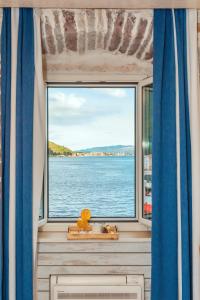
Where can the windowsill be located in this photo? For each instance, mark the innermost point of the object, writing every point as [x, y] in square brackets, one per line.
[124, 237]
[132, 231]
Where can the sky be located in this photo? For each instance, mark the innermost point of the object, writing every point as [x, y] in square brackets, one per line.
[81, 117]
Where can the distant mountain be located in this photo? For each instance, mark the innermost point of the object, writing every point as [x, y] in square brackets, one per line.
[58, 150]
[128, 149]
[55, 149]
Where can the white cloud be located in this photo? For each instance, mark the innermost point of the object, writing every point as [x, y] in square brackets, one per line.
[73, 109]
[114, 92]
[82, 118]
[60, 102]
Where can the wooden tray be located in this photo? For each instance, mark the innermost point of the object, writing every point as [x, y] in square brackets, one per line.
[76, 234]
[75, 228]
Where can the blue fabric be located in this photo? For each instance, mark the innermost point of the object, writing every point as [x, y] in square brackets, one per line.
[164, 219]
[185, 156]
[24, 145]
[164, 184]
[5, 123]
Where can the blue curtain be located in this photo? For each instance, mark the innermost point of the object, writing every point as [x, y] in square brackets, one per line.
[185, 156]
[5, 119]
[24, 144]
[24, 155]
[172, 204]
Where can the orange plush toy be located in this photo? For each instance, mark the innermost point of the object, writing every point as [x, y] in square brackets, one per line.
[82, 222]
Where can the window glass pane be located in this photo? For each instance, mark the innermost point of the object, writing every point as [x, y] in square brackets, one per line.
[147, 151]
[91, 143]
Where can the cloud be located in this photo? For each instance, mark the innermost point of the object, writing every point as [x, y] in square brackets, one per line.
[59, 102]
[72, 109]
[114, 92]
[80, 118]
[66, 109]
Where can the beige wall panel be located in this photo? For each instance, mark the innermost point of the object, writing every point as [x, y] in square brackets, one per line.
[46, 271]
[89, 259]
[43, 296]
[147, 296]
[43, 285]
[94, 247]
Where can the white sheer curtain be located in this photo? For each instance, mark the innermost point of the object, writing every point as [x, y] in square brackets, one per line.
[194, 107]
[39, 135]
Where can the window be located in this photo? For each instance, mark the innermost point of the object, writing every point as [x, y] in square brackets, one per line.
[99, 152]
[42, 206]
[147, 98]
[92, 151]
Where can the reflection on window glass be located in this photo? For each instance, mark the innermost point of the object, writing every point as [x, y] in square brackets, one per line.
[147, 151]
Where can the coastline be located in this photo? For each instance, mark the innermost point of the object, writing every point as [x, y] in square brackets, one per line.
[88, 154]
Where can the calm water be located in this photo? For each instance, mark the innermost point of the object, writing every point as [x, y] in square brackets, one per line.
[105, 185]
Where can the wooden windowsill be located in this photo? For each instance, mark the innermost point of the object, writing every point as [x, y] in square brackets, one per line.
[132, 227]
[124, 237]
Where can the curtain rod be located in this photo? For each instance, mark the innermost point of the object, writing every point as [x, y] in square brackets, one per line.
[126, 4]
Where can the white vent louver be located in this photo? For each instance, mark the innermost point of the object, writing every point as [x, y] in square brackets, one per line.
[97, 287]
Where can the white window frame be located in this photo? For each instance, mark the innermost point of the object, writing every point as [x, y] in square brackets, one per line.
[124, 224]
[141, 85]
[43, 221]
[104, 85]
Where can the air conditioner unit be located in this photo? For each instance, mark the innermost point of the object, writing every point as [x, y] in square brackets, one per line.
[97, 287]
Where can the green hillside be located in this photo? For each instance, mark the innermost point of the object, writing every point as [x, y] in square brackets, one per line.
[55, 149]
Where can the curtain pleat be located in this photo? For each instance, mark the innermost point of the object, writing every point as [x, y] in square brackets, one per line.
[5, 144]
[17, 106]
[39, 137]
[24, 155]
[12, 210]
[185, 156]
[194, 112]
[164, 180]
[172, 230]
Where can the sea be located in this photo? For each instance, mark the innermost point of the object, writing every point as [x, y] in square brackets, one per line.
[104, 184]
